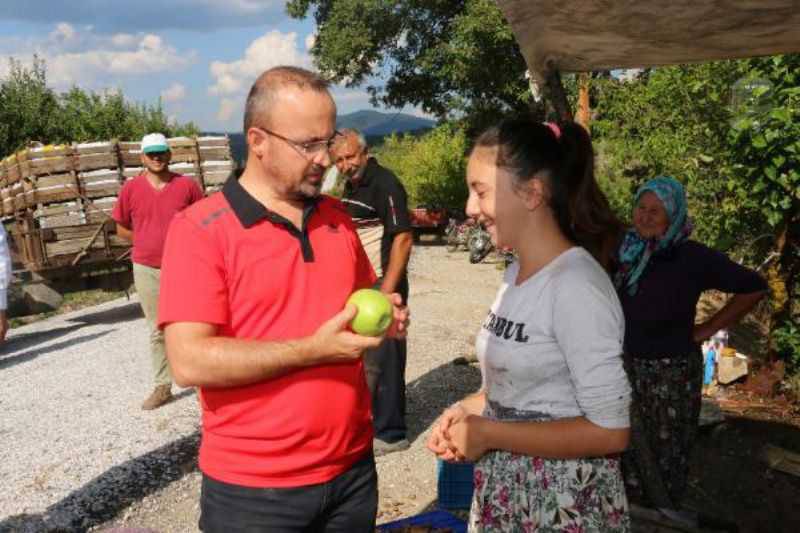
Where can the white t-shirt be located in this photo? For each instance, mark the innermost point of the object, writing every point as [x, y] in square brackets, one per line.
[552, 347]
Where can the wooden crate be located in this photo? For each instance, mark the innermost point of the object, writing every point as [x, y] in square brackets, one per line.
[11, 164]
[100, 210]
[17, 191]
[131, 172]
[216, 163]
[89, 162]
[42, 166]
[214, 153]
[8, 202]
[100, 183]
[99, 147]
[215, 173]
[130, 154]
[207, 142]
[43, 190]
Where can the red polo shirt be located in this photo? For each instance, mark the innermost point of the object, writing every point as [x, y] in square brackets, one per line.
[230, 261]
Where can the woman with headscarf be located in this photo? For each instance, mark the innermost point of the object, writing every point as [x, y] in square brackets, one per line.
[660, 277]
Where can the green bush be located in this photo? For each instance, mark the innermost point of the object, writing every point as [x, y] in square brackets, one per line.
[787, 344]
[432, 167]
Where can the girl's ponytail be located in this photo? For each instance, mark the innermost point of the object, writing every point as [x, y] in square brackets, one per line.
[593, 224]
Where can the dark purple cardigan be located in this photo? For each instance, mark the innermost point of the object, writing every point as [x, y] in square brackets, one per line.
[659, 319]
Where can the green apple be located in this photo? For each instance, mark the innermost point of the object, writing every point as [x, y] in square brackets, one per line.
[375, 312]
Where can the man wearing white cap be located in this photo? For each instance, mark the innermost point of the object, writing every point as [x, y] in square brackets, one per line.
[143, 212]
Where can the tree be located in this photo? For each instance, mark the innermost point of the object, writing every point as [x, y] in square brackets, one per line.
[31, 111]
[28, 108]
[453, 58]
[431, 167]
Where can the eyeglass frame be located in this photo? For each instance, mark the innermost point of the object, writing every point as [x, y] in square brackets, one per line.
[305, 149]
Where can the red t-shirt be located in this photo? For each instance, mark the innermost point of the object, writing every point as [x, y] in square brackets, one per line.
[230, 262]
[148, 212]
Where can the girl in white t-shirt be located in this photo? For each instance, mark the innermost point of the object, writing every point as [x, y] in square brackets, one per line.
[552, 414]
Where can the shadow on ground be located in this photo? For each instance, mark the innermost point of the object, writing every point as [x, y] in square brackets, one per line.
[428, 395]
[23, 357]
[123, 313]
[105, 496]
[729, 479]
[19, 348]
[26, 341]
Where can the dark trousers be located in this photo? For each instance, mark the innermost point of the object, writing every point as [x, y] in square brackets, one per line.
[347, 503]
[385, 367]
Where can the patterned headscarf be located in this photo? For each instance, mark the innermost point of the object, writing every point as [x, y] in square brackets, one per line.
[635, 252]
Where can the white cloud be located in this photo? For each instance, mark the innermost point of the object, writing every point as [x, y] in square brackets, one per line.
[123, 40]
[63, 33]
[310, 40]
[227, 109]
[270, 50]
[81, 56]
[174, 93]
[232, 80]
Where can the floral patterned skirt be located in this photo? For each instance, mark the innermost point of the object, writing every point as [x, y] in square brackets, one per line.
[519, 493]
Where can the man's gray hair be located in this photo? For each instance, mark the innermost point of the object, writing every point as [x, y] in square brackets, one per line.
[350, 132]
[266, 88]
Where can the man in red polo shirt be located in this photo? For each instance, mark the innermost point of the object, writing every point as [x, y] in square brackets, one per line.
[143, 211]
[253, 298]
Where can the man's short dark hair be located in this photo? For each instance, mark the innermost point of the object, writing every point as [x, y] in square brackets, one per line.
[266, 88]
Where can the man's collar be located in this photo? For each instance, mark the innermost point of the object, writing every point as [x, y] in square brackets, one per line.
[366, 175]
[250, 211]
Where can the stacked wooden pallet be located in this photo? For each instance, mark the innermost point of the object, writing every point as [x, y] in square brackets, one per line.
[57, 200]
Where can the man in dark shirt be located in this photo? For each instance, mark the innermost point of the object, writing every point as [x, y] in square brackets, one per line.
[377, 201]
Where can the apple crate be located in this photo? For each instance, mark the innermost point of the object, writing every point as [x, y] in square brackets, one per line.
[454, 484]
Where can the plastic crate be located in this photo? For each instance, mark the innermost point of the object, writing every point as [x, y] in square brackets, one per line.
[437, 519]
[454, 484]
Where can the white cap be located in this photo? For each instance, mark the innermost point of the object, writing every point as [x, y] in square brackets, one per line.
[154, 142]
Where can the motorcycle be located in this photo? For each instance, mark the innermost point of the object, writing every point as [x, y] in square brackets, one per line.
[479, 245]
[457, 234]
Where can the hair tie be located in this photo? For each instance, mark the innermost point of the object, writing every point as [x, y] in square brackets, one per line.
[554, 128]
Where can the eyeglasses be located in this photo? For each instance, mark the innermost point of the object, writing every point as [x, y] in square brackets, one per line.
[306, 149]
[156, 155]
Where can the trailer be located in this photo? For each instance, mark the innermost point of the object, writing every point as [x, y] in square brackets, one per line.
[57, 201]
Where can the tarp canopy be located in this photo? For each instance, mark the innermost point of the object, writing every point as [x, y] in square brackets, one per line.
[589, 35]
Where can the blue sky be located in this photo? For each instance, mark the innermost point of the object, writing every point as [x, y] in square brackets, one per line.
[199, 56]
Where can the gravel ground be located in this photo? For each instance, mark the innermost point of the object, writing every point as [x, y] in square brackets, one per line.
[80, 454]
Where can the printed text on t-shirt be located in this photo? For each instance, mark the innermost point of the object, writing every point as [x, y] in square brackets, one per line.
[502, 327]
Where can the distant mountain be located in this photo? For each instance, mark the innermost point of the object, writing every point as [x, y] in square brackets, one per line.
[377, 124]
[373, 124]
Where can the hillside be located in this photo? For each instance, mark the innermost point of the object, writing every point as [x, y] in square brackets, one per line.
[374, 124]
[378, 124]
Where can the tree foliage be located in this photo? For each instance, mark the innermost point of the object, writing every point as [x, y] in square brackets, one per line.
[32, 111]
[740, 170]
[450, 57]
[431, 167]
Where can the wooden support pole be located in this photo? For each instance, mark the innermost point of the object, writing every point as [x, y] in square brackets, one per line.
[554, 90]
[584, 110]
